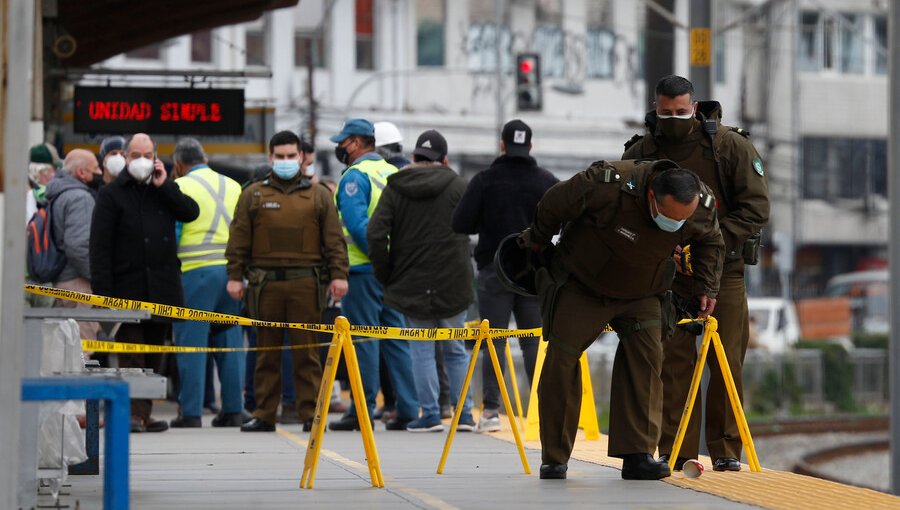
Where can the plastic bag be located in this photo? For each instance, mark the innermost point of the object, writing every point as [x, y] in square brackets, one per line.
[61, 440]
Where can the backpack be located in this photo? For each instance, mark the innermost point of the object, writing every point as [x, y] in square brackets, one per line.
[45, 260]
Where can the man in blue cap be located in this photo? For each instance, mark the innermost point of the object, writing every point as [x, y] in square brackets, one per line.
[358, 192]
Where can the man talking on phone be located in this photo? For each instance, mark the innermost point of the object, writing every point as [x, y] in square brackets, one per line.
[134, 253]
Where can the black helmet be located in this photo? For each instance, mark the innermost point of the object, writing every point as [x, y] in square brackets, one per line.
[513, 268]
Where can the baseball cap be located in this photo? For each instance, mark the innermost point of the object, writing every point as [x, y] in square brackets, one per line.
[431, 145]
[516, 136]
[354, 127]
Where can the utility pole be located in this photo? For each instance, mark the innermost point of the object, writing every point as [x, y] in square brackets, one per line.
[17, 37]
[701, 49]
[498, 69]
[894, 237]
[659, 56]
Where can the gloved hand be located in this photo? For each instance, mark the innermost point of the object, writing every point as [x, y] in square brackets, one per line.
[538, 254]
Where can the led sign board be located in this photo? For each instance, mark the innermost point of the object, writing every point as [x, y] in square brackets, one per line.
[159, 111]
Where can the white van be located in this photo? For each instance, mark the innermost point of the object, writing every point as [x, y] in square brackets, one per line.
[868, 292]
[774, 322]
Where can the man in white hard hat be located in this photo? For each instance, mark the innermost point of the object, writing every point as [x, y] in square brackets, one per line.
[388, 143]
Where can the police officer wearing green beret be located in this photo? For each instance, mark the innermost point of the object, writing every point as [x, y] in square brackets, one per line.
[613, 265]
[691, 134]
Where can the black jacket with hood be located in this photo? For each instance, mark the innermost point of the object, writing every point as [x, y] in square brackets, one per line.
[423, 265]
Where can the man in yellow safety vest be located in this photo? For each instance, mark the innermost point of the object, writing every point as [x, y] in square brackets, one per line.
[201, 249]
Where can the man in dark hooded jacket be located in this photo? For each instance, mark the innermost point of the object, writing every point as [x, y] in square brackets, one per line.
[424, 267]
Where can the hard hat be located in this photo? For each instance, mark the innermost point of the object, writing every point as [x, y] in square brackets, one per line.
[386, 133]
[513, 268]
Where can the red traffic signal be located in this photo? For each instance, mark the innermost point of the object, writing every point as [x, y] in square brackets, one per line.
[526, 66]
[529, 93]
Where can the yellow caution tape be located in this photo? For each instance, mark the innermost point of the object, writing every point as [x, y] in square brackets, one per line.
[177, 312]
[124, 347]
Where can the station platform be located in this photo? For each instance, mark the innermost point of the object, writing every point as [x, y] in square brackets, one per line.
[224, 468]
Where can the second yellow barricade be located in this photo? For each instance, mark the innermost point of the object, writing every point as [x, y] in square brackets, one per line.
[588, 418]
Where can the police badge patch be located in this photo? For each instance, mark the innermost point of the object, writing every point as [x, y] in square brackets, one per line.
[758, 166]
[351, 188]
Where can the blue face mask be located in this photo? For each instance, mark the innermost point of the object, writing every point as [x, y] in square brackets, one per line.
[286, 169]
[664, 222]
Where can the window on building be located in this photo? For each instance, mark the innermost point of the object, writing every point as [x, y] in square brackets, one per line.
[255, 47]
[881, 44]
[303, 44]
[600, 41]
[549, 38]
[844, 168]
[810, 41]
[201, 46]
[365, 30]
[149, 52]
[851, 44]
[430, 18]
[720, 47]
[481, 39]
[837, 42]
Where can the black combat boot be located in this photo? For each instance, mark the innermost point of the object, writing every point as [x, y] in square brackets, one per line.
[642, 466]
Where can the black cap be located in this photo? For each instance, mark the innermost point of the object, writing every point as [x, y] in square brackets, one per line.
[516, 137]
[431, 145]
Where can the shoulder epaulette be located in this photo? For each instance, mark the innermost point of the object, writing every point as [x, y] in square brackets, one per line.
[707, 200]
[606, 172]
[742, 132]
[634, 139]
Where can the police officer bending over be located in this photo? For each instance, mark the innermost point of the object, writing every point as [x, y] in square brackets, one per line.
[613, 265]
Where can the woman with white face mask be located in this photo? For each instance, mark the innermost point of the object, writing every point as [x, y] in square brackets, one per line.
[112, 155]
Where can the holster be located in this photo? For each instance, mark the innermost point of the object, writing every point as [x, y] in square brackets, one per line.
[668, 316]
[256, 281]
[323, 280]
[750, 249]
[548, 279]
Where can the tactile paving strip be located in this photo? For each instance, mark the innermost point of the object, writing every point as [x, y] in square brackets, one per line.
[777, 490]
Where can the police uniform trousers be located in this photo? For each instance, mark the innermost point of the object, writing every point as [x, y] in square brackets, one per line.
[294, 300]
[636, 393]
[679, 357]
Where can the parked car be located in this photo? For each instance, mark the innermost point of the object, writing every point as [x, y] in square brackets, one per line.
[868, 293]
[773, 323]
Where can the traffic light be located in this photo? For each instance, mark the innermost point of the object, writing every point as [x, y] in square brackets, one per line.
[529, 95]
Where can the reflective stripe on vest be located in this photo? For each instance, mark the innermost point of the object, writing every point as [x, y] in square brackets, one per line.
[206, 242]
[377, 171]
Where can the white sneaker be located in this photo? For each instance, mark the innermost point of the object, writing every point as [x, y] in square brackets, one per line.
[488, 424]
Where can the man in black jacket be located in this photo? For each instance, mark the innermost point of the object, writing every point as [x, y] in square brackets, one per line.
[425, 269]
[134, 253]
[500, 201]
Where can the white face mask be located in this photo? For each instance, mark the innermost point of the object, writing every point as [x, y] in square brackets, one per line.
[686, 116]
[115, 164]
[140, 169]
[310, 170]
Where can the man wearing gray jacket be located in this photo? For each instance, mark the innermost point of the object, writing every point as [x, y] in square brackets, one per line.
[72, 193]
